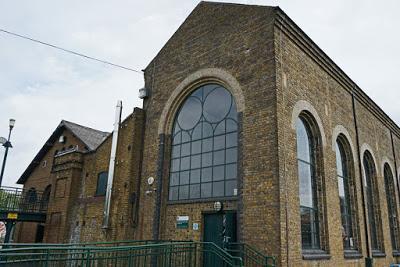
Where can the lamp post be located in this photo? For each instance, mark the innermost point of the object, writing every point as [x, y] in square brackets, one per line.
[7, 144]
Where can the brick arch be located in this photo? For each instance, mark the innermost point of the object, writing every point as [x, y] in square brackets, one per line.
[386, 160]
[303, 105]
[366, 147]
[193, 81]
[341, 130]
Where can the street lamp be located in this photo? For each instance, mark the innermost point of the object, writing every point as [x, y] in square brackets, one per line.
[7, 144]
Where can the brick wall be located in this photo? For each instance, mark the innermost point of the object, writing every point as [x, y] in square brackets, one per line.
[88, 212]
[234, 41]
[40, 178]
[274, 73]
[301, 78]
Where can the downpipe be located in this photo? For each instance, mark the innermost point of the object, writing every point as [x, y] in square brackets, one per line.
[110, 178]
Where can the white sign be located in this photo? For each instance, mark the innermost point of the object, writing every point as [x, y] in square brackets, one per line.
[182, 218]
[195, 226]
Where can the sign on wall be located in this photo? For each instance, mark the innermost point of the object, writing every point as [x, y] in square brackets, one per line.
[12, 216]
[182, 222]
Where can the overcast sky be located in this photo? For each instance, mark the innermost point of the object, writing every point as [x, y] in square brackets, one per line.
[40, 86]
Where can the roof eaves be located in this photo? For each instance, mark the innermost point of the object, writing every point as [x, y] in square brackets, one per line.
[294, 32]
[36, 160]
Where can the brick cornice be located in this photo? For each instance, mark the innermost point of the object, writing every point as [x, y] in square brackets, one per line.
[301, 39]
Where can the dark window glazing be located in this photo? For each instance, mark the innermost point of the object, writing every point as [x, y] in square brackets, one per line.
[31, 195]
[392, 207]
[204, 146]
[101, 184]
[344, 185]
[45, 198]
[307, 186]
[372, 199]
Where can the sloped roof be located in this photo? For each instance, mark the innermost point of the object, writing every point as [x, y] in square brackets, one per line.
[92, 138]
[212, 11]
[288, 27]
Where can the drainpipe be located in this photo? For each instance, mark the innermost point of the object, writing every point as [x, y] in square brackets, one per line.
[160, 171]
[368, 260]
[107, 203]
[395, 161]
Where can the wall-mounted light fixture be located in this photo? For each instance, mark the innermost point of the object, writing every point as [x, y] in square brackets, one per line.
[218, 206]
[150, 182]
[143, 93]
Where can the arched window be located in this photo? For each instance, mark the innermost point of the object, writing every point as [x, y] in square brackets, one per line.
[372, 202]
[101, 184]
[306, 160]
[392, 207]
[45, 198]
[344, 167]
[30, 199]
[31, 195]
[204, 146]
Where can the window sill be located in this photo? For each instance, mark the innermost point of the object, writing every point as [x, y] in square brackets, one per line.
[352, 254]
[188, 201]
[378, 254]
[396, 253]
[315, 254]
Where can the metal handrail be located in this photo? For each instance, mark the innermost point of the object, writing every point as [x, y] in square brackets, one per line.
[175, 253]
[251, 256]
[13, 199]
[18, 189]
[92, 244]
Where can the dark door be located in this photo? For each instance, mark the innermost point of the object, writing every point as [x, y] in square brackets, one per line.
[39, 233]
[218, 228]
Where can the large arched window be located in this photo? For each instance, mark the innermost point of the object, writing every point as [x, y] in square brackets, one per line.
[346, 196]
[306, 160]
[372, 202]
[204, 146]
[392, 207]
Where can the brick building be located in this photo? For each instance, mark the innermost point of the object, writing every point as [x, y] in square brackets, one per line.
[55, 171]
[241, 107]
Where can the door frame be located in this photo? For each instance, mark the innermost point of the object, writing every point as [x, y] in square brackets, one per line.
[209, 212]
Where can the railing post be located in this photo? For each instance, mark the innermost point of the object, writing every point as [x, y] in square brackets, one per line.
[9, 227]
[88, 257]
[190, 254]
[195, 253]
[170, 249]
[47, 257]
[129, 257]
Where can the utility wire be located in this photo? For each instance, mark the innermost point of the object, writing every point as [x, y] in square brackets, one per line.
[69, 51]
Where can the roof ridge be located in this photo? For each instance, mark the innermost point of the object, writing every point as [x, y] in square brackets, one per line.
[232, 4]
[82, 126]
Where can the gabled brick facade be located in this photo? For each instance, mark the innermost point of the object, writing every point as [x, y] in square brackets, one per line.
[276, 74]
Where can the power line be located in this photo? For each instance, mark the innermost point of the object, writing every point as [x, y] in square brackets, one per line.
[69, 51]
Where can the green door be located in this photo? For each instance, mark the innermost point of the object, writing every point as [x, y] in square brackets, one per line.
[214, 231]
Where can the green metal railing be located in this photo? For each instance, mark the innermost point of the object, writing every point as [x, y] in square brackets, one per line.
[14, 199]
[251, 257]
[169, 254]
[88, 244]
[135, 253]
